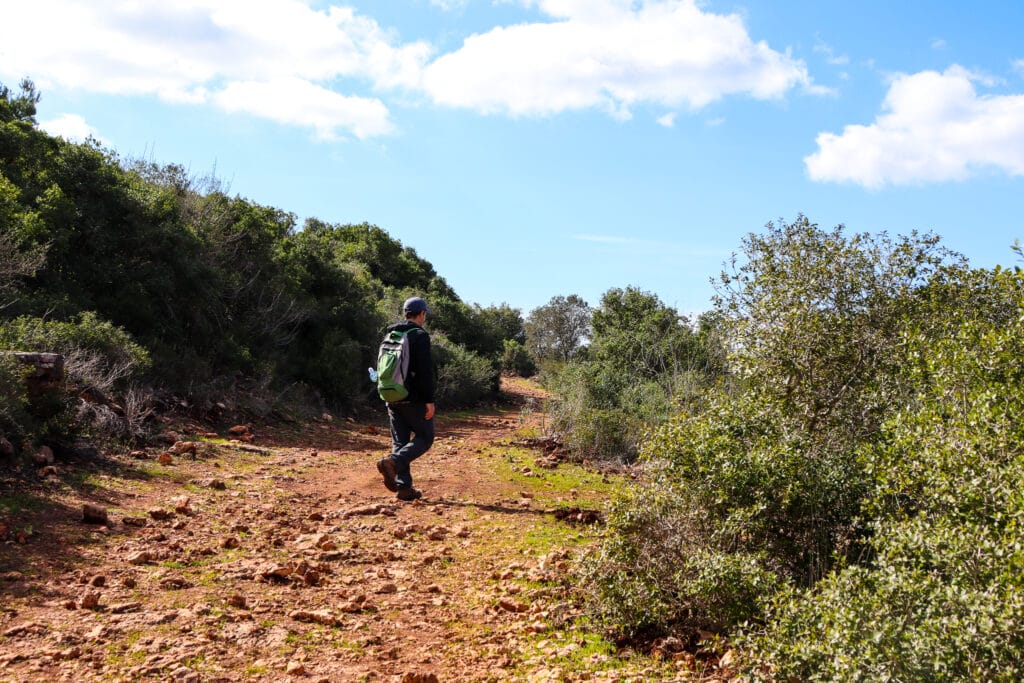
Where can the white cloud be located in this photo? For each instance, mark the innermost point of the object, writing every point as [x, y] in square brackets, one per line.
[935, 127]
[450, 5]
[298, 102]
[939, 44]
[668, 120]
[831, 57]
[611, 54]
[70, 127]
[1018, 66]
[198, 51]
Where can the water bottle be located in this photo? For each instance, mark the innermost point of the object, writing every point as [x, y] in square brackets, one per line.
[373, 374]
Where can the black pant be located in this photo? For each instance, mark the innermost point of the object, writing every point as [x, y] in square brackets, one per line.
[408, 419]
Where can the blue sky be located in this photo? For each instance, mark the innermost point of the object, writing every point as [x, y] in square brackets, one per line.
[531, 148]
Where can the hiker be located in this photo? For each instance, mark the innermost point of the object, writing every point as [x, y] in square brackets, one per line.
[412, 418]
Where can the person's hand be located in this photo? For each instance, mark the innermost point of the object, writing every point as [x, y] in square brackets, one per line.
[430, 411]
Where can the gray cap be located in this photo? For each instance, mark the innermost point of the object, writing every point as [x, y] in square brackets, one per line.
[415, 305]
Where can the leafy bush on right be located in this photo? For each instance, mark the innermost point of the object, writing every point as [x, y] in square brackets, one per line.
[849, 502]
[943, 597]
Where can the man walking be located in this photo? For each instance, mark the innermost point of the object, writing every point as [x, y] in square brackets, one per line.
[412, 420]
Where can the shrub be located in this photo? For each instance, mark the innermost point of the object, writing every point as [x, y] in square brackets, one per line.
[734, 502]
[96, 351]
[659, 569]
[98, 356]
[463, 378]
[592, 416]
[339, 364]
[15, 421]
[944, 598]
[782, 471]
[644, 359]
[517, 360]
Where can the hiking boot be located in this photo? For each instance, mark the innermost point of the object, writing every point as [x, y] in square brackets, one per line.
[386, 466]
[409, 493]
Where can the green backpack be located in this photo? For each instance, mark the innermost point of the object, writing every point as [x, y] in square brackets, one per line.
[393, 366]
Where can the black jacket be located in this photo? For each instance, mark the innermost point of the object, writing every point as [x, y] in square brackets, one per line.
[421, 381]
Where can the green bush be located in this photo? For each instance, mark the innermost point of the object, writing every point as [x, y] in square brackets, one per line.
[643, 362]
[660, 570]
[593, 417]
[97, 353]
[517, 360]
[15, 421]
[734, 502]
[944, 598]
[463, 378]
[870, 434]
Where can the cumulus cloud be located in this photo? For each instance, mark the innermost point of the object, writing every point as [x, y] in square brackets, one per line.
[935, 127]
[201, 51]
[335, 65]
[70, 127]
[611, 54]
[668, 120]
[298, 102]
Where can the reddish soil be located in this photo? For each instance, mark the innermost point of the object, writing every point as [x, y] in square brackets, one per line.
[285, 558]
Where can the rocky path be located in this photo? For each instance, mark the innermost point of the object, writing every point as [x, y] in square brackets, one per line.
[282, 557]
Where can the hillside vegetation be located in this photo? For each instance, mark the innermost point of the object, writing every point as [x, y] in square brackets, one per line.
[164, 291]
[844, 500]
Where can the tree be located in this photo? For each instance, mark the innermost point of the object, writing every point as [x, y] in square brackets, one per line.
[501, 323]
[556, 331]
[20, 107]
[815, 318]
[16, 262]
[636, 333]
[766, 482]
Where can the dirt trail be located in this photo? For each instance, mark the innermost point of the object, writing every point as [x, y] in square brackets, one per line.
[285, 558]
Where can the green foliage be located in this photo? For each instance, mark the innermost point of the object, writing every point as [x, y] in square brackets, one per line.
[83, 333]
[557, 330]
[643, 361]
[816, 318]
[15, 421]
[98, 356]
[657, 570]
[387, 260]
[17, 261]
[635, 333]
[517, 360]
[225, 296]
[492, 327]
[591, 417]
[20, 107]
[854, 495]
[338, 338]
[943, 599]
[463, 377]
